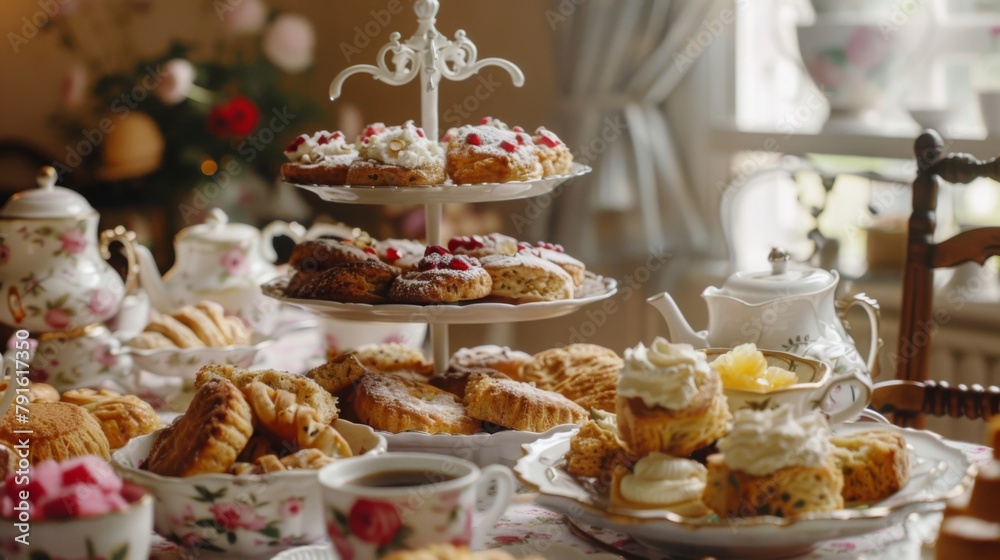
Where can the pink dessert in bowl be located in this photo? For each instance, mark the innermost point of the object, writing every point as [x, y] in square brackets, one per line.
[79, 508]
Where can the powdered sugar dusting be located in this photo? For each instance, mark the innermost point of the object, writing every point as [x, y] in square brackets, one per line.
[403, 146]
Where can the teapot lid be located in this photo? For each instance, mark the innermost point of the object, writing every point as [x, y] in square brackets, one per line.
[47, 201]
[217, 229]
[781, 281]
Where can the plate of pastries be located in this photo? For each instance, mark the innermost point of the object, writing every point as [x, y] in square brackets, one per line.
[674, 468]
[474, 279]
[400, 164]
[487, 402]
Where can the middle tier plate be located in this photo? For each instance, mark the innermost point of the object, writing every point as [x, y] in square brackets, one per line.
[485, 192]
[594, 288]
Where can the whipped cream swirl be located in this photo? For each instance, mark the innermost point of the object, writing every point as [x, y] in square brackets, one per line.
[665, 375]
[764, 441]
[319, 147]
[406, 146]
[661, 480]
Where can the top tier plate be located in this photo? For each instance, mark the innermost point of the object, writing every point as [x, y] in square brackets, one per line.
[484, 192]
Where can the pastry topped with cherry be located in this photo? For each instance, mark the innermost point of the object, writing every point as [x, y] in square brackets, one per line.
[399, 156]
[556, 254]
[480, 246]
[555, 157]
[320, 158]
[442, 277]
[489, 154]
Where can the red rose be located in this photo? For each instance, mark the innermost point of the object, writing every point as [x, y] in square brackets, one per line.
[73, 241]
[373, 521]
[340, 542]
[57, 318]
[234, 515]
[243, 116]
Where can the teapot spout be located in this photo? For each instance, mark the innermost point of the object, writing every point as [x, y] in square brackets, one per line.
[680, 330]
[152, 283]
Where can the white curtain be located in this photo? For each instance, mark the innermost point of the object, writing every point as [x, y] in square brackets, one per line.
[618, 63]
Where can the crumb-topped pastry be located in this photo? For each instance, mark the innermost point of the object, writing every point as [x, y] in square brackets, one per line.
[525, 278]
[773, 463]
[670, 400]
[322, 158]
[659, 481]
[399, 156]
[442, 277]
[488, 154]
[554, 156]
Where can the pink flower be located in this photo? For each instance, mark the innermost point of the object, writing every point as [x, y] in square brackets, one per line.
[73, 241]
[4, 253]
[178, 77]
[102, 302]
[344, 549]
[374, 521]
[181, 520]
[57, 318]
[827, 75]
[242, 16]
[74, 86]
[289, 42]
[234, 261]
[103, 357]
[291, 507]
[866, 48]
[234, 515]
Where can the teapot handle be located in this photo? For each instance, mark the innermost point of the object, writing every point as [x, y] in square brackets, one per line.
[871, 307]
[128, 240]
[293, 230]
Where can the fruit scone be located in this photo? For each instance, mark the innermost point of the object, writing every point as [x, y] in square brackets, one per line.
[442, 277]
[321, 158]
[399, 156]
[773, 463]
[488, 154]
[555, 157]
[557, 255]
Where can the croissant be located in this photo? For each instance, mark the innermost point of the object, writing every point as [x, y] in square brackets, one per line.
[280, 414]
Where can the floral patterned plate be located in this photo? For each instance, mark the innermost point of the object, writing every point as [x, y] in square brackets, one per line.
[938, 472]
[546, 550]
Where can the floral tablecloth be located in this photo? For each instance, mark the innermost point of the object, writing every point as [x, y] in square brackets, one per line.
[527, 528]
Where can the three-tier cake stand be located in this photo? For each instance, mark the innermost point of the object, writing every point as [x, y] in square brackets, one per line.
[429, 57]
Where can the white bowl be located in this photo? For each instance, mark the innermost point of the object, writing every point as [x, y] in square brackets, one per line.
[246, 516]
[123, 535]
[345, 335]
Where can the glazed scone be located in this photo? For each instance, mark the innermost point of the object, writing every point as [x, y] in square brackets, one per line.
[320, 158]
[208, 437]
[661, 482]
[395, 404]
[400, 156]
[59, 431]
[773, 463]
[306, 391]
[519, 406]
[525, 278]
[875, 464]
[669, 400]
[123, 418]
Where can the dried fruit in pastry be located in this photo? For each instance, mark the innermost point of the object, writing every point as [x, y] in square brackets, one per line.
[338, 374]
[519, 406]
[280, 414]
[392, 403]
[306, 391]
[594, 451]
[208, 437]
[442, 277]
[59, 431]
[123, 418]
[875, 464]
[480, 246]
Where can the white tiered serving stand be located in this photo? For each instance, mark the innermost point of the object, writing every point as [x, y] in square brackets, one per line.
[431, 57]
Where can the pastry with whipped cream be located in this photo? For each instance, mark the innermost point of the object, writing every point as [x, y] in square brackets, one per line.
[322, 158]
[399, 156]
[773, 463]
[488, 153]
[669, 400]
[659, 481]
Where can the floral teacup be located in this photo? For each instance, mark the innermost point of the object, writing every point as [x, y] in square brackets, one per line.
[85, 357]
[405, 501]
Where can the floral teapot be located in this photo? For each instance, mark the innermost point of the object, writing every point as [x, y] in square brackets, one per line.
[52, 270]
[223, 262]
[791, 309]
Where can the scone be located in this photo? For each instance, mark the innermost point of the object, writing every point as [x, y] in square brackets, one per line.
[355, 282]
[392, 356]
[487, 154]
[595, 450]
[124, 418]
[519, 406]
[338, 374]
[669, 400]
[306, 391]
[442, 277]
[317, 255]
[456, 382]
[320, 158]
[587, 374]
[59, 431]
[208, 437]
[490, 356]
[772, 463]
[557, 255]
[395, 404]
[555, 157]
[398, 156]
[525, 278]
[875, 464]
[661, 482]
[480, 246]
